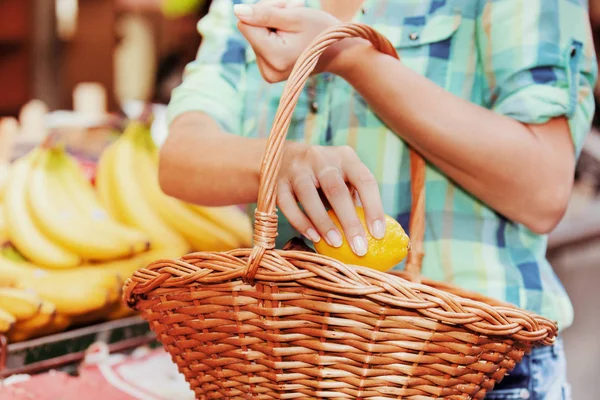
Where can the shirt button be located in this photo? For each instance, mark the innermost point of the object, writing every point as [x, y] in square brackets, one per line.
[314, 106]
[413, 36]
[573, 51]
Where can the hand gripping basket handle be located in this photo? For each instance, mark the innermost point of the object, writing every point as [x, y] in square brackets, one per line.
[265, 225]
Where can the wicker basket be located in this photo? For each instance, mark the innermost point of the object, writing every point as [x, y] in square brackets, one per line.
[263, 323]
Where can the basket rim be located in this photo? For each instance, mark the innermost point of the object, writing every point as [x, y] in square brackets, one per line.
[433, 300]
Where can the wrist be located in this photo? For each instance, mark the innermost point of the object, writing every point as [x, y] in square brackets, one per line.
[345, 55]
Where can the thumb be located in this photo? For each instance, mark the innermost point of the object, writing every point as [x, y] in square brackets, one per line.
[268, 16]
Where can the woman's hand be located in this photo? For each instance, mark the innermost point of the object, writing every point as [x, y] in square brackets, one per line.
[307, 170]
[280, 30]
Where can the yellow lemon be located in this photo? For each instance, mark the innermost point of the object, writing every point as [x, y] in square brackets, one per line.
[382, 254]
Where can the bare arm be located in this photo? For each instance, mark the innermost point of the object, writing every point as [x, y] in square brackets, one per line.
[525, 172]
[200, 163]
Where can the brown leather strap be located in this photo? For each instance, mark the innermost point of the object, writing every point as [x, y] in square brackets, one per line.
[265, 227]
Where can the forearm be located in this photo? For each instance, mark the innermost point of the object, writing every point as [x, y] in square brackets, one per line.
[508, 165]
[201, 164]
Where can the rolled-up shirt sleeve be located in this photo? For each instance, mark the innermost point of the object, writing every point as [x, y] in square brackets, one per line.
[539, 61]
[213, 82]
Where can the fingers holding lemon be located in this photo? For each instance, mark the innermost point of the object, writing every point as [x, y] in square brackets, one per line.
[382, 254]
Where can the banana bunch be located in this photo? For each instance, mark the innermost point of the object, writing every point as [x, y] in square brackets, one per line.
[127, 183]
[45, 301]
[17, 306]
[73, 291]
[24, 314]
[35, 302]
[63, 258]
[54, 218]
[66, 248]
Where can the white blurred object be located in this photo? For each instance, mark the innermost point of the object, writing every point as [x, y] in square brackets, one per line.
[67, 12]
[133, 109]
[71, 119]
[14, 379]
[89, 109]
[135, 59]
[32, 120]
[96, 353]
[9, 129]
[89, 98]
[157, 375]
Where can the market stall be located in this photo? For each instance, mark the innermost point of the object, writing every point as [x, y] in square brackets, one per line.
[85, 86]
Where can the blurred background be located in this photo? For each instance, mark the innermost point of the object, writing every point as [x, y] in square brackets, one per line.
[90, 62]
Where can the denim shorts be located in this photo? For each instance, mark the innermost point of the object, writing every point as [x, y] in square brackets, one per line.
[541, 375]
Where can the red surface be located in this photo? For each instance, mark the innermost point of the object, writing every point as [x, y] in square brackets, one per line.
[98, 379]
[60, 386]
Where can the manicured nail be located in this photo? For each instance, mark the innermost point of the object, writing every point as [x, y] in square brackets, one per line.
[378, 229]
[313, 235]
[359, 246]
[334, 238]
[243, 10]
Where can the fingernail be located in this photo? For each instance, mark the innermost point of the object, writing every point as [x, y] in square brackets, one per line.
[334, 238]
[296, 3]
[313, 235]
[243, 10]
[359, 246]
[378, 229]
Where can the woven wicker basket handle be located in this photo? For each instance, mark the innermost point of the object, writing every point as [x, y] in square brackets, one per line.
[265, 226]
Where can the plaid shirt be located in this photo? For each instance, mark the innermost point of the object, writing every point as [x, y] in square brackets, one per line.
[528, 59]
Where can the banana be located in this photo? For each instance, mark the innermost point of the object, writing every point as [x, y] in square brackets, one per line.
[73, 291]
[3, 227]
[18, 336]
[28, 329]
[10, 252]
[59, 323]
[55, 214]
[120, 311]
[125, 269]
[43, 318]
[230, 218]
[104, 186]
[93, 317]
[7, 320]
[56, 323]
[85, 201]
[22, 231]
[201, 233]
[132, 205]
[9, 282]
[23, 304]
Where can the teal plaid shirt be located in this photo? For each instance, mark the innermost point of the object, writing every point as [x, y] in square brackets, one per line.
[527, 59]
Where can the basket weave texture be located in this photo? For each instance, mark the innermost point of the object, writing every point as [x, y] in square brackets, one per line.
[264, 323]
